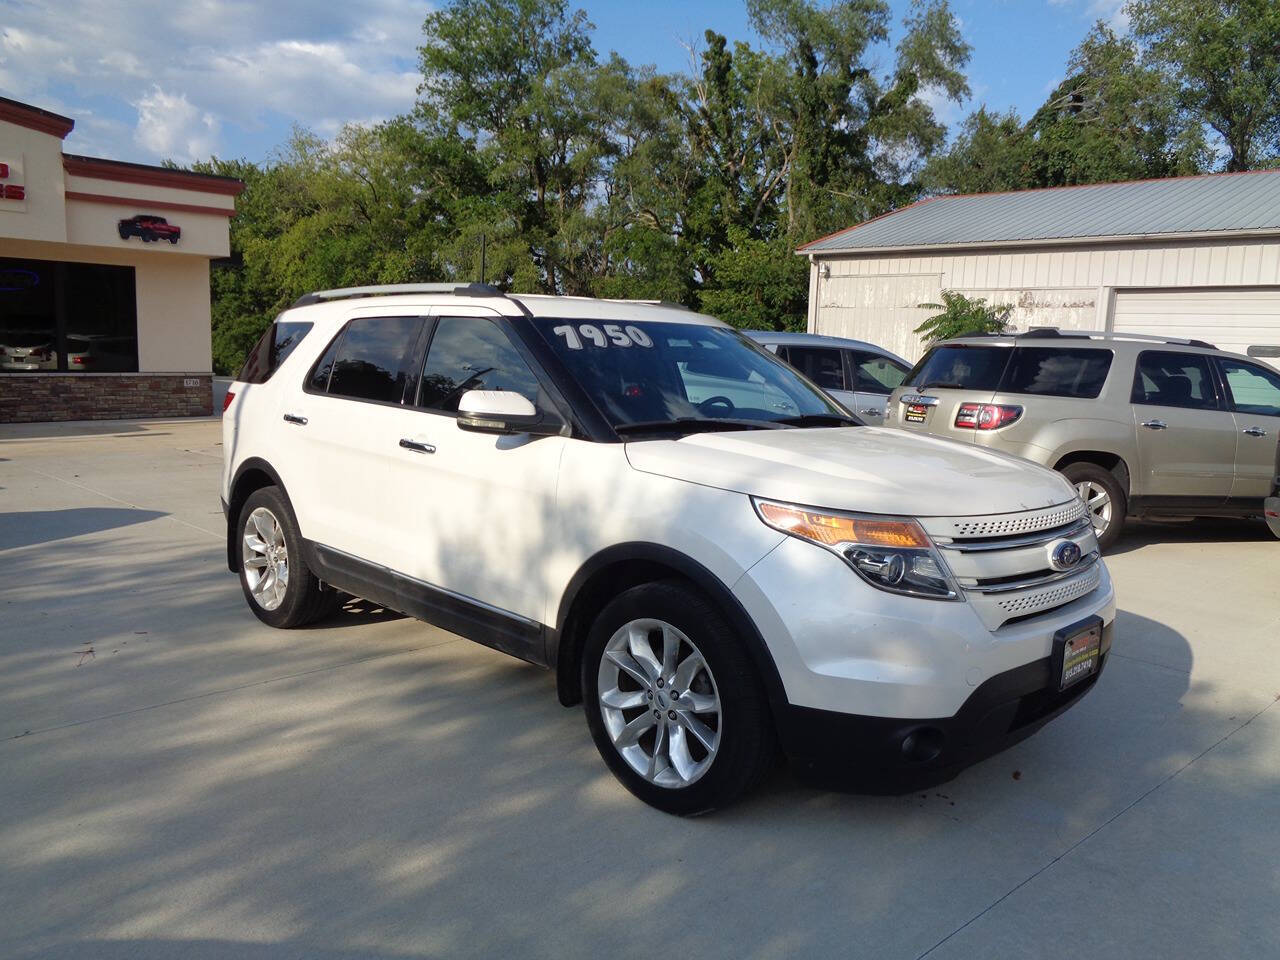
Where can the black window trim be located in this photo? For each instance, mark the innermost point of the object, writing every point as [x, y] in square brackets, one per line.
[1215, 381]
[1225, 388]
[336, 339]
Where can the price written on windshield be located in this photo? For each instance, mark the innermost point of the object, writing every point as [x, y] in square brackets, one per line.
[608, 334]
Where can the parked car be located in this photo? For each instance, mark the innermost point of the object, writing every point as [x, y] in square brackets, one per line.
[27, 350]
[1143, 426]
[148, 228]
[858, 374]
[709, 578]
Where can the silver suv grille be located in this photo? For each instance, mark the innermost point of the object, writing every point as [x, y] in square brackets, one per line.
[1002, 561]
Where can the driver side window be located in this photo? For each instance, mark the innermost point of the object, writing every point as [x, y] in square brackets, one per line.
[471, 353]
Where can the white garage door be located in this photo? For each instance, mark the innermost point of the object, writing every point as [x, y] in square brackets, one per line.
[1243, 320]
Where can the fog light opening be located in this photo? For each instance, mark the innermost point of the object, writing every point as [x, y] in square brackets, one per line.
[923, 744]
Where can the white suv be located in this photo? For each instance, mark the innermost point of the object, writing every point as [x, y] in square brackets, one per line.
[715, 575]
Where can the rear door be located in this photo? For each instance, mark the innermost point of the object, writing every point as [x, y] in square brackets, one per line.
[825, 367]
[873, 377]
[1254, 394]
[1185, 435]
[342, 434]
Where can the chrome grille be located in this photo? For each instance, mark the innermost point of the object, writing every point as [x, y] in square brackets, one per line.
[1030, 603]
[1010, 523]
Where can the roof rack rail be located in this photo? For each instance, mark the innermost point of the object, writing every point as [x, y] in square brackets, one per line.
[392, 289]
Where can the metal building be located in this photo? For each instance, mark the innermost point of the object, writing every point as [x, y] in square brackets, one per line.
[1195, 257]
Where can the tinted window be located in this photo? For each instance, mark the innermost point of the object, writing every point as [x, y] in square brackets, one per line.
[873, 373]
[1253, 389]
[373, 358]
[962, 367]
[471, 353]
[1174, 380]
[276, 343]
[1057, 372]
[822, 365]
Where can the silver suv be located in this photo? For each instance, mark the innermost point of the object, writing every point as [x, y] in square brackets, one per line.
[1143, 426]
[859, 375]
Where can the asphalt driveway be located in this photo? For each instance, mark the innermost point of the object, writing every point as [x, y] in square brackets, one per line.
[177, 780]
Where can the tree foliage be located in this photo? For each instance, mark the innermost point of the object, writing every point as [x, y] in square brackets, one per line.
[960, 315]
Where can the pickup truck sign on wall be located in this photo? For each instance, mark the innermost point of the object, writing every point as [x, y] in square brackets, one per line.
[148, 227]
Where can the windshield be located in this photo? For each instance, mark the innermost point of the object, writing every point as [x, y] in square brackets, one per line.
[650, 374]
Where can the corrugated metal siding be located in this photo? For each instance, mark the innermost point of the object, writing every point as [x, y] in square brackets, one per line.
[1050, 286]
[1230, 319]
[1223, 202]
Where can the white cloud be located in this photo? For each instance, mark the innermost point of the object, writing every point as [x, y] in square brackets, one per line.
[1112, 11]
[169, 126]
[188, 79]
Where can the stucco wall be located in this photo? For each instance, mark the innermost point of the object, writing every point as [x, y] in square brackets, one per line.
[877, 298]
[43, 214]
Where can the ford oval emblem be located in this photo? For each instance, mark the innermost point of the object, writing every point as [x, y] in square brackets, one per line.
[1064, 555]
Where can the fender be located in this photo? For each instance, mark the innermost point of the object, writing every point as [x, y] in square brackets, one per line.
[563, 647]
[232, 509]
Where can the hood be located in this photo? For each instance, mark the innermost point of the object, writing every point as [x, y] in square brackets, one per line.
[867, 469]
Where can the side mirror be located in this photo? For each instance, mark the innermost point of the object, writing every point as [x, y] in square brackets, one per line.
[503, 412]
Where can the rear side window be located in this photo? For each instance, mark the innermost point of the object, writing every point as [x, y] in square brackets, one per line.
[1167, 379]
[372, 360]
[471, 353]
[961, 367]
[275, 344]
[822, 365]
[873, 373]
[1056, 372]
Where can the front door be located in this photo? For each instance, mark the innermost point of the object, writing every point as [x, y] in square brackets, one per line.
[873, 377]
[1254, 393]
[1185, 434]
[483, 505]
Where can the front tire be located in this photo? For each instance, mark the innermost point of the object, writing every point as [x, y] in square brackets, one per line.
[1103, 497]
[278, 585]
[673, 701]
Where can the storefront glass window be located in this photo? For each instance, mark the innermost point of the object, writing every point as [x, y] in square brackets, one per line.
[68, 317]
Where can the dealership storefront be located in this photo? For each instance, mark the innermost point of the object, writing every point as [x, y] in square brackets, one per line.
[104, 279]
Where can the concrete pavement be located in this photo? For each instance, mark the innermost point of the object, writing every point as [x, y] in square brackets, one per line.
[177, 780]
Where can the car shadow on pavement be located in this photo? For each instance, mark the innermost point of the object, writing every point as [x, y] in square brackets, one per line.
[29, 527]
[1143, 533]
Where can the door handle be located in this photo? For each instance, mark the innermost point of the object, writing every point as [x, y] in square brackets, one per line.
[294, 418]
[1154, 424]
[417, 446]
[1255, 431]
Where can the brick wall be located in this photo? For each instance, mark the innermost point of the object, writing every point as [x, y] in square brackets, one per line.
[86, 396]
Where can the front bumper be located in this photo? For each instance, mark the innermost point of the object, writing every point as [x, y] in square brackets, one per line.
[897, 755]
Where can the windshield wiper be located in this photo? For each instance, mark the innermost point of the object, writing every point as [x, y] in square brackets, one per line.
[694, 425]
[821, 420]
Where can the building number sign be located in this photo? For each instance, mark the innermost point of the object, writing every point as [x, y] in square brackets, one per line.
[10, 191]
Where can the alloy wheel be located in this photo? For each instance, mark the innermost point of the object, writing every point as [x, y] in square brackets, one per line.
[660, 703]
[1098, 504]
[265, 558]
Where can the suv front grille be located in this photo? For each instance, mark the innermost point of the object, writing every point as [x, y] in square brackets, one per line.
[1002, 561]
[1029, 522]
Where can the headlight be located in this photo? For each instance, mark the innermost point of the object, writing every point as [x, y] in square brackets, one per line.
[887, 552]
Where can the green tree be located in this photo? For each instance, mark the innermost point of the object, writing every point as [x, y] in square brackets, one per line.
[1225, 55]
[963, 315]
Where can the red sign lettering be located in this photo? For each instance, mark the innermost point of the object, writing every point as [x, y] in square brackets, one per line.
[11, 191]
[4, 171]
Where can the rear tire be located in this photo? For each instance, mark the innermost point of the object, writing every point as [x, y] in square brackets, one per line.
[278, 585]
[1103, 497]
[683, 751]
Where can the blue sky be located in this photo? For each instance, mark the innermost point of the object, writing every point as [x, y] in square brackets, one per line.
[152, 79]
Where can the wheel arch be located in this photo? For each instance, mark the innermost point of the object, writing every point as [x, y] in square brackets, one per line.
[1111, 462]
[627, 565]
[254, 474]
